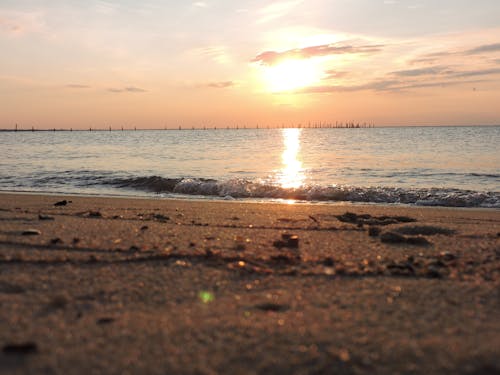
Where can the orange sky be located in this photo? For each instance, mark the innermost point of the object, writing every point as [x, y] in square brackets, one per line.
[223, 63]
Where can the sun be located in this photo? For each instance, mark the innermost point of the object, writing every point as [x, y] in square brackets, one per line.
[291, 75]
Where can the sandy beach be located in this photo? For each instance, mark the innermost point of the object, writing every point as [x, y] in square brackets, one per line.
[122, 285]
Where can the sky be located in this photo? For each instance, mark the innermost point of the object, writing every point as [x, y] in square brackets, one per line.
[155, 64]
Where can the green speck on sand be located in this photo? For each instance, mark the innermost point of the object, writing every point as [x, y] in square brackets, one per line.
[206, 297]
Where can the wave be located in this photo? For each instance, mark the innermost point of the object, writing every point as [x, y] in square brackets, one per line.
[241, 188]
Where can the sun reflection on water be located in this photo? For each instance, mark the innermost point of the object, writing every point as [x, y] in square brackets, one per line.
[292, 174]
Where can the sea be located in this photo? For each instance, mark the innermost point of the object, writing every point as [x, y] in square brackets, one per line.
[423, 166]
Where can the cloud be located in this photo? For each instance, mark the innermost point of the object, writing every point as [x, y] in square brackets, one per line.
[273, 57]
[77, 86]
[220, 85]
[16, 23]
[475, 73]
[383, 85]
[218, 54]
[10, 26]
[445, 71]
[486, 48]
[127, 89]
[433, 70]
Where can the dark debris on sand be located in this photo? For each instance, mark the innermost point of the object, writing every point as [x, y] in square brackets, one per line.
[367, 219]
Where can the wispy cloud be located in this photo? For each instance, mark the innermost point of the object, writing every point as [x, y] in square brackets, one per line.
[15, 23]
[383, 85]
[77, 86]
[126, 89]
[421, 71]
[220, 84]
[218, 54]
[274, 57]
[486, 48]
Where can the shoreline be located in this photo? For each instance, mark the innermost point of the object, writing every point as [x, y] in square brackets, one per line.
[145, 285]
[218, 199]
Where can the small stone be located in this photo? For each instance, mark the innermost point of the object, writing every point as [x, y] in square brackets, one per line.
[329, 262]
[94, 214]
[344, 355]
[275, 307]
[418, 240]
[392, 237]
[288, 240]
[293, 242]
[31, 232]
[105, 320]
[161, 217]
[59, 302]
[434, 272]
[56, 241]
[447, 256]
[45, 217]
[373, 231]
[75, 240]
[279, 244]
[9, 288]
[20, 348]
[348, 217]
[144, 227]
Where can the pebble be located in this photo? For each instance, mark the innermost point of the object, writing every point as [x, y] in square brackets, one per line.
[373, 231]
[59, 302]
[62, 203]
[392, 237]
[161, 217]
[329, 262]
[269, 306]
[56, 241]
[418, 240]
[105, 320]
[31, 232]
[287, 240]
[434, 272]
[94, 214]
[447, 256]
[20, 348]
[45, 217]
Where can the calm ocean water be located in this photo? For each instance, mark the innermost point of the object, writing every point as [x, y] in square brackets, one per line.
[447, 166]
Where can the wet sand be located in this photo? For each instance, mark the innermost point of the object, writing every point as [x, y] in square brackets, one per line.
[114, 285]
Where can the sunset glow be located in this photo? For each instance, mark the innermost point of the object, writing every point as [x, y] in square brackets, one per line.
[292, 175]
[291, 75]
[156, 64]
